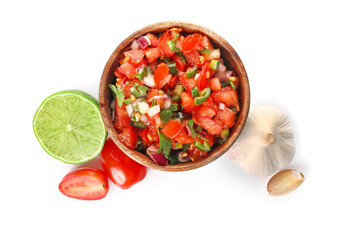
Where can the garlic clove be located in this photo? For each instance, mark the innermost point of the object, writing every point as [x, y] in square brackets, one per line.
[284, 182]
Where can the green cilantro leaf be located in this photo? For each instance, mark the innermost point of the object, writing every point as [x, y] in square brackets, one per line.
[165, 144]
[120, 96]
[165, 114]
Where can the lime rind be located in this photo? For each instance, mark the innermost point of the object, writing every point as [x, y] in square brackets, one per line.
[69, 127]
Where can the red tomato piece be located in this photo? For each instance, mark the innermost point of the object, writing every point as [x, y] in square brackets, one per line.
[127, 69]
[123, 119]
[208, 124]
[128, 137]
[118, 74]
[179, 62]
[153, 39]
[85, 184]
[196, 154]
[152, 54]
[127, 89]
[135, 55]
[193, 58]
[120, 168]
[206, 43]
[202, 81]
[227, 96]
[227, 117]
[162, 44]
[215, 84]
[206, 112]
[182, 138]
[173, 81]
[143, 135]
[172, 128]
[188, 83]
[188, 102]
[161, 75]
[192, 42]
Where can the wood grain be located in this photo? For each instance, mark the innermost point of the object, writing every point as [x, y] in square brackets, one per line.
[231, 59]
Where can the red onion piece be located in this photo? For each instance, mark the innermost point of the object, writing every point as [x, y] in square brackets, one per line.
[145, 120]
[143, 42]
[222, 106]
[135, 45]
[167, 103]
[221, 66]
[187, 130]
[223, 76]
[113, 115]
[158, 158]
[112, 104]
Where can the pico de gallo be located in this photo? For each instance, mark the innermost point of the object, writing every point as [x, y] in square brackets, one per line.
[174, 98]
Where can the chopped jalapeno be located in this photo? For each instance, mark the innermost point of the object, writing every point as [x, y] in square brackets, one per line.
[205, 146]
[214, 64]
[139, 125]
[154, 102]
[172, 68]
[178, 89]
[203, 97]
[225, 133]
[195, 92]
[176, 98]
[191, 73]
[205, 52]
[174, 107]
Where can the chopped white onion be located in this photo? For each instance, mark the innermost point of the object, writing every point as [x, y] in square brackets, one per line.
[222, 106]
[167, 103]
[153, 110]
[197, 76]
[143, 107]
[129, 109]
[149, 80]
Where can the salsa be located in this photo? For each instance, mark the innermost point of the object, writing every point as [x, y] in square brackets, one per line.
[174, 98]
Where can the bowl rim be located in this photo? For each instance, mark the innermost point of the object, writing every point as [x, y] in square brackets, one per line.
[191, 28]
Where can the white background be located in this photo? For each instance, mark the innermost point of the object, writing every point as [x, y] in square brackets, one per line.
[292, 54]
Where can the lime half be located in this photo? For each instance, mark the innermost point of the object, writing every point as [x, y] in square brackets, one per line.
[69, 126]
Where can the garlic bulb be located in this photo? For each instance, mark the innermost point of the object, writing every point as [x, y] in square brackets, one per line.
[266, 143]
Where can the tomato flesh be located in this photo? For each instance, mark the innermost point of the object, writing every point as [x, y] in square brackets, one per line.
[128, 137]
[208, 124]
[85, 184]
[121, 169]
[172, 128]
[226, 95]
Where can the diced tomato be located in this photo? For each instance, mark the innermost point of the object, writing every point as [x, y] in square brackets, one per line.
[149, 136]
[123, 118]
[118, 74]
[127, 69]
[162, 44]
[208, 103]
[227, 96]
[215, 54]
[152, 93]
[179, 62]
[202, 81]
[161, 75]
[142, 62]
[173, 81]
[208, 124]
[152, 54]
[172, 128]
[153, 39]
[206, 43]
[188, 102]
[127, 89]
[182, 138]
[196, 154]
[188, 83]
[135, 55]
[192, 42]
[128, 137]
[227, 117]
[206, 136]
[193, 58]
[215, 84]
[206, 112]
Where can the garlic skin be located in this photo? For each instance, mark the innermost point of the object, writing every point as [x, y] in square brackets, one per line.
[266, 143]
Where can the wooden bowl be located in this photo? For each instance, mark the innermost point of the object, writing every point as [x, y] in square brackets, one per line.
[231, 59]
